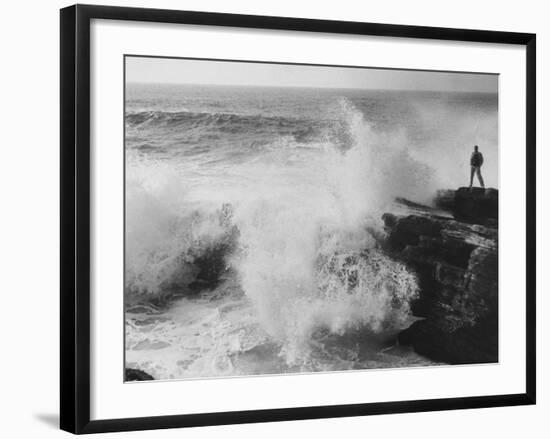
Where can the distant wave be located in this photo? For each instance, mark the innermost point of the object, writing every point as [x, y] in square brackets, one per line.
[165, 118]
[212, 124]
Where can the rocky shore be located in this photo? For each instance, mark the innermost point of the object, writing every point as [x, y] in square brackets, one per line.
[453, 249]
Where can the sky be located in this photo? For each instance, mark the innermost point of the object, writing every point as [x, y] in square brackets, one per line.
[186, 71]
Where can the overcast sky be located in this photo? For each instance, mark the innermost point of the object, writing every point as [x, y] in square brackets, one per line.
[183, 71]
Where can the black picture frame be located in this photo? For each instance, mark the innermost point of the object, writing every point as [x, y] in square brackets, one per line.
[75, 217]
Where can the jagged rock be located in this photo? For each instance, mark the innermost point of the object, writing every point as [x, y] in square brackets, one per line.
[441, 340]
[136, 375]
[475, 205]
[456, 263]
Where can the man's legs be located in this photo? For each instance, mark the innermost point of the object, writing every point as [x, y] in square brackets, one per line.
[479, 177]
[472, 176]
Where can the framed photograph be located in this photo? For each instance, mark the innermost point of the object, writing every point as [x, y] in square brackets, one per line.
[268, 218]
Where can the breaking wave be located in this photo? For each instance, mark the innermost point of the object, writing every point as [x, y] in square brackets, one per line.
[294, 227]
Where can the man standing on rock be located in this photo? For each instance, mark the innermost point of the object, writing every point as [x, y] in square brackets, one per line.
[476, 161]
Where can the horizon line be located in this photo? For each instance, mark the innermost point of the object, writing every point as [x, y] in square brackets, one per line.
[306, 87]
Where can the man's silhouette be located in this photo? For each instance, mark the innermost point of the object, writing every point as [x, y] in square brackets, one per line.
[476, 161]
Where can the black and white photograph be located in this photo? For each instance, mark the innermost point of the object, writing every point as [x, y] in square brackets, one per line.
[288, 218]
[275, 219]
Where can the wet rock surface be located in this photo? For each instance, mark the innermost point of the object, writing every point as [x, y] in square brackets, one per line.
[456, 260]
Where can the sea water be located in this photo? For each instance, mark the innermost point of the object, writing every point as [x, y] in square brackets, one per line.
[286, 187]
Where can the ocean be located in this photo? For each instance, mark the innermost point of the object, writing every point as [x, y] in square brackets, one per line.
[253, 218]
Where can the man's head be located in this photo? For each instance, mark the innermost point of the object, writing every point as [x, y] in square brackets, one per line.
[475, 148]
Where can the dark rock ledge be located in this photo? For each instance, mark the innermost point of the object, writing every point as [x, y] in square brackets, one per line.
[456, 260]
[476, 205]
[136, 375]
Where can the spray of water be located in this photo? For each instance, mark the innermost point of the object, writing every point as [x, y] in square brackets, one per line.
[304, 255]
